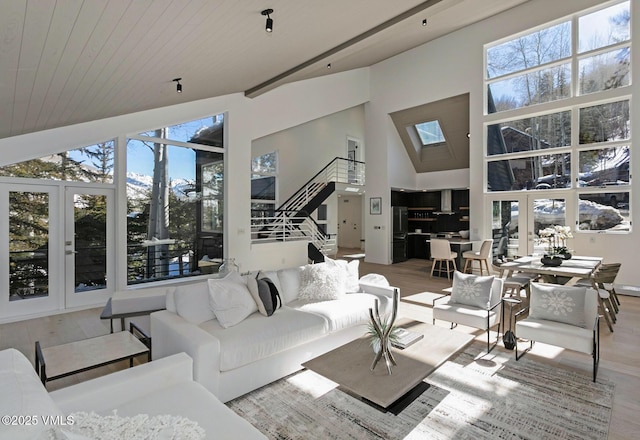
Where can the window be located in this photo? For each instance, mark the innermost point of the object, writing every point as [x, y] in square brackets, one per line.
[430, 133]
[576, 146]
[264, 175]
[175, 200]
[90, 164]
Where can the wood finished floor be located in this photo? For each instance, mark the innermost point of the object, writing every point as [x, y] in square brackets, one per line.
[620, 351]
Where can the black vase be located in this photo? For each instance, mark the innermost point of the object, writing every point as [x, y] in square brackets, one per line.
[509, 340]
[551, 261]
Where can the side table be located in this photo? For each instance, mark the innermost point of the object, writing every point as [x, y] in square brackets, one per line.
[508, 337]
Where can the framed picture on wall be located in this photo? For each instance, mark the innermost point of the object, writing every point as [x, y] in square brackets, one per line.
[375, 205]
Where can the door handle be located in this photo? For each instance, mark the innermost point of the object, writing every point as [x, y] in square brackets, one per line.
[70, 252]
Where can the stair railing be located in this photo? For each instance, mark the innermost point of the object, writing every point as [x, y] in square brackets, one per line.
[291, 222]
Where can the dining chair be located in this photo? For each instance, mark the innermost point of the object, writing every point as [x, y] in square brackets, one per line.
[441, 253]
[614, 268]
[514, 285]
[481, 256]
[575, 328]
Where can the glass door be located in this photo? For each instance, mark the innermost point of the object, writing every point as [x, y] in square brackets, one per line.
[88, 253]
[516, 222]
[30, 280]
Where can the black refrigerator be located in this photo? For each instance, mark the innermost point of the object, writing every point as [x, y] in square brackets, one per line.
[399, 236]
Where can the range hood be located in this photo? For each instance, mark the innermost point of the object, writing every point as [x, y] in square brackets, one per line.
[445, 202]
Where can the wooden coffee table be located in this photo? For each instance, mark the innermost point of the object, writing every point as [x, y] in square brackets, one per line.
[349, 366]
[64, 360]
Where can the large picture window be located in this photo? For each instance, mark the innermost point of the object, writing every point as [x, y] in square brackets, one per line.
[577, 145]
[175, 200]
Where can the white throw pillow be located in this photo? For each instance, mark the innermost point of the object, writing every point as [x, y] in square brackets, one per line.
[192, 302]
[321, 282]
[231, 300]
[374, 279]
[471, 290]
[350, 269]
[558, 303]
[289, 283]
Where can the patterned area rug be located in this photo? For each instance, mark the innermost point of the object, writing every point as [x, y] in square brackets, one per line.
[472, 396]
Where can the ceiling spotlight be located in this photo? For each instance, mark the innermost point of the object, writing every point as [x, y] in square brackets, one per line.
[329, 66]
[178, 86]
[269, 26]
[424, 22]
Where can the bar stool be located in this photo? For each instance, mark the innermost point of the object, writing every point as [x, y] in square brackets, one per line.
[441, 252]
[480, 256]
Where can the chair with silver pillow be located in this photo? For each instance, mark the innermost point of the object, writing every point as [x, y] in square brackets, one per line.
[563, 316]
[474, 302]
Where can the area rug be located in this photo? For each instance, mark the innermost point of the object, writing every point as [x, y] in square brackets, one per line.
[472, 396]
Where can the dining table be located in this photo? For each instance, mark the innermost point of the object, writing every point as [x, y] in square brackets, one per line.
[568, 273]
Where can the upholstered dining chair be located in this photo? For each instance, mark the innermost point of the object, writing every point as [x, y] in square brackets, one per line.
[481, 256]
[474, 301]
[441, 254]
[563, 316]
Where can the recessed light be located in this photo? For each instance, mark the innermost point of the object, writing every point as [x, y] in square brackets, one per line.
[424, 22]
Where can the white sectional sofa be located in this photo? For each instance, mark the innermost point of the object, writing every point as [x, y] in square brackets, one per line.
[157, 389]
[259, 349]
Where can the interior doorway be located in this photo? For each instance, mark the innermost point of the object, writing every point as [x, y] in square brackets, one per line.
[349, 221]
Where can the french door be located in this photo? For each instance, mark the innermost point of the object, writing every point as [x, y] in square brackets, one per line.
[56, 242]
[516, 221]
[88, 249]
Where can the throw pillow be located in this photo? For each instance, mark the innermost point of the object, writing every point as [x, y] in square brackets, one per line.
[231, 300]
[290, 283]
[265, 294]
[192, 302]
[558, 303]
[471, 290]
[320, 282]
[350, 269]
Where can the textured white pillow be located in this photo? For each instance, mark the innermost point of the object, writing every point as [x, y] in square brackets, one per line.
[375, 279]
[558, 303]
[231, 300]
[192, 302]
[350, 269]
[321, 282]
[471, 290]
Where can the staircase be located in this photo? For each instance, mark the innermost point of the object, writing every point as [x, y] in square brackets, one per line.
[292, 221]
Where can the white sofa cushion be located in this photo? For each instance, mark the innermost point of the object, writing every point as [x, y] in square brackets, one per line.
[23, 396]
[259, 336]
[290, 283]
[192, 302]
[352, 309]
[230, 299]
[321, 282]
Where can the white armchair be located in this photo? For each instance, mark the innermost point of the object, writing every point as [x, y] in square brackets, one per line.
[474, 302]
[564, 316]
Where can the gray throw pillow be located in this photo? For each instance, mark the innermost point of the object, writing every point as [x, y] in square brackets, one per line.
[265, 294]
[558, 303]
[471, 290]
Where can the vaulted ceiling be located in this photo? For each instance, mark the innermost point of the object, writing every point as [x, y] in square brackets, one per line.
[70, 61]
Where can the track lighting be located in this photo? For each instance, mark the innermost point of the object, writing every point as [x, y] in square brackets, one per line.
[269, 26]
[178, 86]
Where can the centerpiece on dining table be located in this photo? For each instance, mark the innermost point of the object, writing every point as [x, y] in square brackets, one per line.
[556, 239]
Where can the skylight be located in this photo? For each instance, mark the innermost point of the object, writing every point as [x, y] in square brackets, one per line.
[430, 133]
